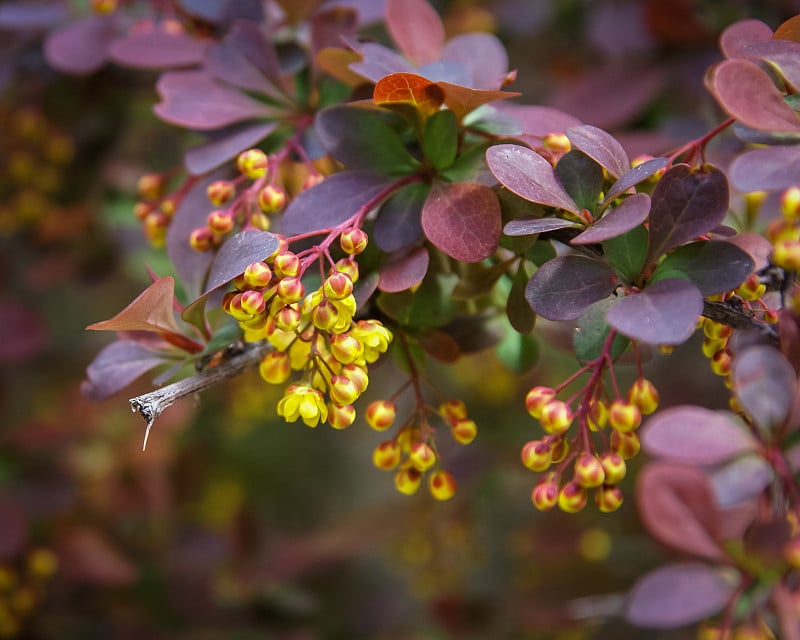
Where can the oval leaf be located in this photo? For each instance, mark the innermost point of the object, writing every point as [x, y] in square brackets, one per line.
[564, 286]
[741, 480]
[581, 177]
[416, 29]
[80, 46]
[678, 595]
[409, 89]
[601, 147]
[695, 435]
[530, 226]
[632, 212]
[735, 39]
[770, 169]
[529, 175]
[462, 219]
[405, 271]
[398, 224]
[634, 176]
[238, 252]
[151, 310]
[712, 266]
[158, 49]
[592, 331]
[765, 384]
[518, 311]
[116, 366]
[225, 145]
[482, 54]
[32, 15]
[538, 121]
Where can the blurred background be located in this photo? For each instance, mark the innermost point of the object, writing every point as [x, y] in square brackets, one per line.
[233, 524]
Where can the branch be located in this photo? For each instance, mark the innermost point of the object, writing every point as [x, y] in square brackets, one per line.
[736, 316]
[235, 362]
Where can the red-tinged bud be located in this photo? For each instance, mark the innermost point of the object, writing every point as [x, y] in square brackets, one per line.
[721, 362]
[556, 417]
[252, 163]
[338, 286]
[537, 398]
[288, 318]
[751, 289]
[234, 308]
[345, 348]
[155, 228]
[271, 199]
[613, 466]
[624, 416]
[608, 498]
[354, 241]
[422, 456]
[644, 395]
[589, 472]
[771, 316]
[260, 220]
[559, 450]
[407, 481]
[711, 346]
[312, 180]
[556, 142]
[711, 631]
[386, 455]
[343, 390]
[442, 485]
[347, 266]
[545, 495]
[220, 221]
[790, 203]
[252, 302]
[464, 430]
[151, 186]
[290, 289]
[405, 438]
[597, 416]
[786, 255]
[325, 315]
[286, 264]
[220, 191]
[627, 445]
[716, 330]
[791, 552]
[380, 414]
[572, 497]
[782, 229]
[141, 209]
[341, 417]
[168, 206]
[357, 374]
[453, 410]
[536, 455]
[275, 367]
[257, 274]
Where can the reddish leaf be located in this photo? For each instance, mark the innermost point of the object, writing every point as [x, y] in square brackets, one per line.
[765, 384]
[158, 49]
[782, 54]
[601, 147]
[538, 121]
[664, 313]
[31, 15]
[87, 556]
[564, 286]
[404, 271]
[676, 504]
[735, 39]
[461, 100]
[416, 29]
[225, 145]
[409, 89]
[14, 532]
[152, 310]
[632, 212]
[482, 54]
[529, 175]
[789, 30]
[81, 46]
[785, 604]
[238, 252]
[531, 226]
[747, 92]
[330, 26]
[770, 169]
[462, 219]
[677, 595]
[441, 345]
[116, 366]
[695, 435]
[741, 480]
[634, 176]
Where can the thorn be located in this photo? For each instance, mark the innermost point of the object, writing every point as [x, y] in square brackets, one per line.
[147, 434]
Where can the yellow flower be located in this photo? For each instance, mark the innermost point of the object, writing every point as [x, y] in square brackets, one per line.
[374, 336]
[301, 401]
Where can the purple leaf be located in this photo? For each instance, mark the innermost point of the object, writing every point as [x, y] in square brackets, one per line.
[663, 313]
[399, 223]
[404, 271]
[483, 55]
[564, 286]
[31, 15]
[81, 46]
[747, 92]
[765, 384]
[222, 13]
[713, 266]
[630, 213]
[379, 62]
[676, 504]
[735, 40]
[695, 435]
[330, 26]
[686, 203]
[783, 603]
[116, 366]
[228, 61]
[225, 145]
[755, 245]
[158, 49]
[530, 226]
[741, 479]
[677, 595]
[538, 121]
[601, 147]
[769, 169]
[783, 54]
[238, 252]
[529, 175]
[462, 219]
[416, 29]
[195, 100]
[634, 176]
[334, 200]
[247, 36]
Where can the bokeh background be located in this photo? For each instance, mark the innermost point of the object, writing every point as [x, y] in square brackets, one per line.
[233, 524]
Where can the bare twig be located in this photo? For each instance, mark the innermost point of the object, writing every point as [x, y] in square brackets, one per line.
[150, 405]
[738, 317]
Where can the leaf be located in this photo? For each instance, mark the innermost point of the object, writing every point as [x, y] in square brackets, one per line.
[463, 220]
[770, 169]
[747, 93]
[677, 595]
[379, 61]
[735, 40]
[116, 366]
[695, 435]
[362, 140]
[18, 16]
[158, 49]
[564, 286]
[530, 226]
[592, 332]
[676, 505]
[80, 47]
[783, 603]
[519, 352]
[195, 100]
[462, 100]
[477, 279]
[789, 30]
[627, 253]
[405, 271]
[236, 253]
[628, 215]
[740, 480]
[398, 224]
[482, 54]
[225, 61]
[713, 266]
[538, 121]
[765, 384]
[783, 56]
[409, 90]
[581, 177]
[470, 166]
[663, 313]
[224, 145]
[518, 311]
[333, 201]
[601, 147]
[634, 176]
[529, 175]
[440, 139]
[686, 203]
[416, 29]
[432, 304]
[151, 310]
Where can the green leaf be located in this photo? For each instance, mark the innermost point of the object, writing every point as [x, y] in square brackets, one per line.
[542, 251]
[470, 166]
[440, 139]
[433, 304]
[582, 178]
[477, 279]
[627, 252]
[592, 332]
[518, 352]
[713, 266]
[519, 312]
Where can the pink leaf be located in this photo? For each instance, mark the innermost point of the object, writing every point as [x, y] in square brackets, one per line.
[152, 310]
[80, 47]
[404, 272]
[416, 28]
[157, 49]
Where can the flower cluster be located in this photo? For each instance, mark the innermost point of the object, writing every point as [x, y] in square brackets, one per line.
[601, 469]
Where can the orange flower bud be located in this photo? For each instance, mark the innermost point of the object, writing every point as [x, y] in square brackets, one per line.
[537, 398]
[613, 466]
[597, 417]
[422, 456]
[536, 455]
[220, 191]
[338, 286]
[288, 318]
[624, 416]
[721, 362]
[275, 367]
[343, 390]
[626, 444]
[252, 163]
[644, 395]
[290, 289]
[380, 414]
[286, 264]
[257, 274]
[545, 495]
[572, 497]
[589, 472]
[790, 203]
[201, 239]
[464, 430]
[341, 416]
[347, 266]
[556, 417]
[151, 186]
[442, 485]
[786, 255]
[407, 481]
[354, 241]
[345, 348]
[271, 199]
[608, 498]
[357, 374]
[453, 410]
[386, 455]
